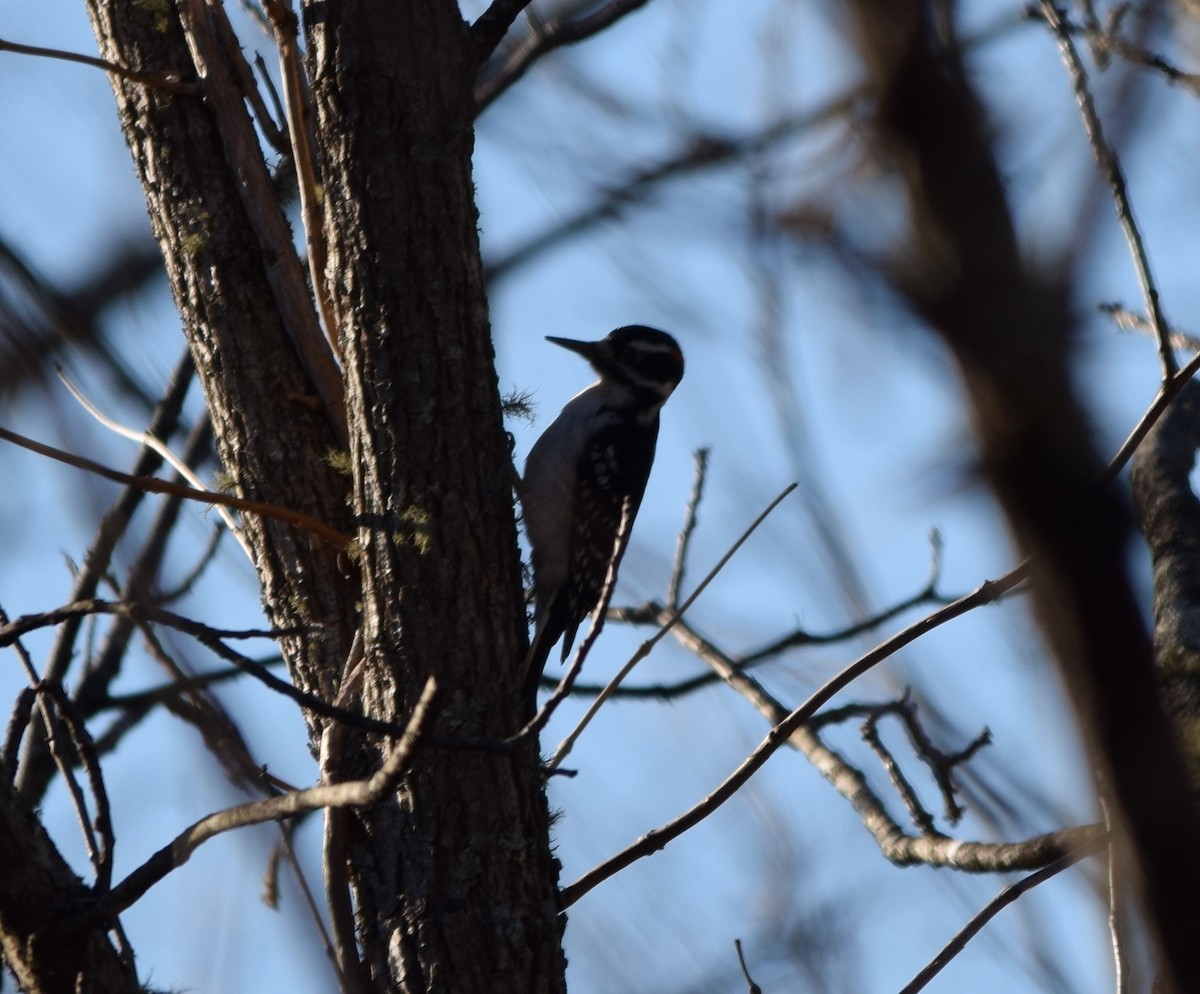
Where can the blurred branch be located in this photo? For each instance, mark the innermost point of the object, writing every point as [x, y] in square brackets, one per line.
[206, 635]
[353, 793]
[700, 151]
[1008, 330]
[1129, 320]
[62, 727]
[185, 683]
[551, 34]
[111, 528]
[492, 25]
[39, 321]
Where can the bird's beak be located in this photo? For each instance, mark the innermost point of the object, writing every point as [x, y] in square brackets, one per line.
[589, 350]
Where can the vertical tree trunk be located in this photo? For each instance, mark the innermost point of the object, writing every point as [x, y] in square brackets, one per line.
[455, 881]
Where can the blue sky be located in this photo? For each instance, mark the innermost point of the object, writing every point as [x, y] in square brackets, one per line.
[881, 433]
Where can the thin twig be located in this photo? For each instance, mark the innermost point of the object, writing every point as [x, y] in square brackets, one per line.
[1106, 158]
[192, 577]
[997, 904]
[353, 793]
[298, 101]
[99, 828]
[599, 613]
[921, 818]
[286, 830]
[176, 688]
[116, 519]
[284, 147]
[168, 83]
[1129, 320]
[247, 84]
[658, 838]
[656, 614]
[751, 986]
[154, 444]
[1162, 400]
[689, 526]
[211, 638]
[61, 723]
[152, 484]
[802, 637]
[645, 648]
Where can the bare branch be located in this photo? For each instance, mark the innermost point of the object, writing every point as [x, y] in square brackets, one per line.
[646, 647]
[921, 818]
[353, 793]
[751, 986]
[146, 439]
[116, 520]
[168, 82]
[689, 526]
[154, 485]
[658, 838]
[653, 613]
[298, 101]
[538, 722]
[994, 907]
[1162, 400]
[62, 727]
[1129, 320]
[1106, 158]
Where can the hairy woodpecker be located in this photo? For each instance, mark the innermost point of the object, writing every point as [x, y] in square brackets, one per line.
[596, 454]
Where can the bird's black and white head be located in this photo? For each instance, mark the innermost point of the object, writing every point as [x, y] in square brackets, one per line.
[645, 362]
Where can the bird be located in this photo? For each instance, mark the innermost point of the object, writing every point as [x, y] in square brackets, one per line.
[592, 460]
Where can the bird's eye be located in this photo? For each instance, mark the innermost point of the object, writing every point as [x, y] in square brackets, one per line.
[658, 366]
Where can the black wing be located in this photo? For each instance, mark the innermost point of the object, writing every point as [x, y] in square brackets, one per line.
[615, 466]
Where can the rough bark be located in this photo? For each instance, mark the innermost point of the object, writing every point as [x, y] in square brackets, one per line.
[236, 292]
[1170, 519]
[456, 884]
[38, 887]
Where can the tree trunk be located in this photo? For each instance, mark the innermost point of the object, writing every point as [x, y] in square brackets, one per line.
[455, 881]
[457, 884]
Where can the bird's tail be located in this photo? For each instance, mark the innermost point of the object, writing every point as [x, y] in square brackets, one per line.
[547, 631]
